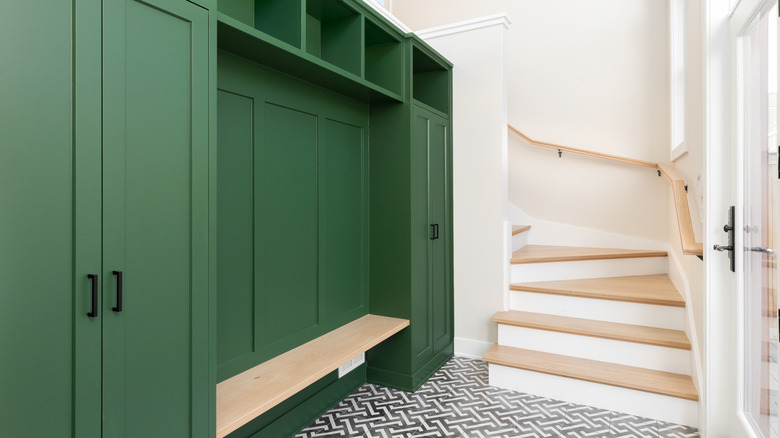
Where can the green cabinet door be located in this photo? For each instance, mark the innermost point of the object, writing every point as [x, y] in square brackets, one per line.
[438, 260]
[43, 294]
[432, 299]
[155, 219]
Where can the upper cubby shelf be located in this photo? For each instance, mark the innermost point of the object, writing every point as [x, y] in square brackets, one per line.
[333, 34]
[430, 80]
[342, 45]
[384, 58]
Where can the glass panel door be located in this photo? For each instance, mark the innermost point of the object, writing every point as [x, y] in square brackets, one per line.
[760, 186]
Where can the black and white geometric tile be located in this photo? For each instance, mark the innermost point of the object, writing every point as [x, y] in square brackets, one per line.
[458, 402]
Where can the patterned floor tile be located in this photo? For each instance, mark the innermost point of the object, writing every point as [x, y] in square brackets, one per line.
[585, 421]
[670, 430]
[457, 402]
[630, 426]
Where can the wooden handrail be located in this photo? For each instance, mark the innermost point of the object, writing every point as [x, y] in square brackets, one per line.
[685, 225]
[582, 151]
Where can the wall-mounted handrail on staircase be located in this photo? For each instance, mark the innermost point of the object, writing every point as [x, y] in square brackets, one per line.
[684, 222]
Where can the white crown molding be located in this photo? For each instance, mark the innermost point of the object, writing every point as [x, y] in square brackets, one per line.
[465, 26]
[385, 13]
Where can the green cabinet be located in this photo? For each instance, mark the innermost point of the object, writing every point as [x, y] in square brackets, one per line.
[155, 219]
[104, 290]
[411, 224]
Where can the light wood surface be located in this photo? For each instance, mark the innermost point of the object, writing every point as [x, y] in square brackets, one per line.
[517, 229]
[597, 329]
[253, 392]
[548, 253]
[641, 379]
[582, 151]
[647, 289]
[684, 223]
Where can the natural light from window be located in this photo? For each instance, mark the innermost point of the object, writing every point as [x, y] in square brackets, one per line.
[677, 14]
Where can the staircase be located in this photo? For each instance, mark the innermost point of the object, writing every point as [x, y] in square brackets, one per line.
[597, 326]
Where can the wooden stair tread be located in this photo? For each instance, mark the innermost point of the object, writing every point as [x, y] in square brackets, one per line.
[547, 253]
[517, 229]
[647, 289]
[598, 329]
[640, 379]
[243, 397]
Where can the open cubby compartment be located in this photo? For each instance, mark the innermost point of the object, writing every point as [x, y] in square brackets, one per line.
[384, 58]
[333, 34]
[280, 19]
[430, 81]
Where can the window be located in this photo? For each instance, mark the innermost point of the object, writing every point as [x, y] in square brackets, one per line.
[677, 14]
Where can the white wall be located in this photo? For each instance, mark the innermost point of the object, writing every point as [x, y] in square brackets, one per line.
[592, 75]
[480, 182]
[687, 272]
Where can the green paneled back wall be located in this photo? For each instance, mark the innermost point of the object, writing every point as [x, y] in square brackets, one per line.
[292, 213]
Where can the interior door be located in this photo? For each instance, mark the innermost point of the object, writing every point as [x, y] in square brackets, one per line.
[155, 219]
[742, 309]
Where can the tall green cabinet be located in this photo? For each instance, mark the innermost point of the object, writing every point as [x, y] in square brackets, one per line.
[104, 288]
[411, 196]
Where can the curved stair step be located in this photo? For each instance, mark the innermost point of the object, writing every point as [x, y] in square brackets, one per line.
[640, 379]
[647, 289]
[547, 254]
[517, 229]
[598, 329]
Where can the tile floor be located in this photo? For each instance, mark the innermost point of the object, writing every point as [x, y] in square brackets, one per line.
[457, 402]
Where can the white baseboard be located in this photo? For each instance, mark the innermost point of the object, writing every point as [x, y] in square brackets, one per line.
[471, 348]
[554, 233]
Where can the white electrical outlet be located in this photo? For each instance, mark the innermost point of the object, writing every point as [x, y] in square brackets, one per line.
[351, 365]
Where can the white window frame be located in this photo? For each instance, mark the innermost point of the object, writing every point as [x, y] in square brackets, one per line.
[677, 77]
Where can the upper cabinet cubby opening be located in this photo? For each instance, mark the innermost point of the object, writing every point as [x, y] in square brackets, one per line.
[333, 33]
[430, 81]
[384, 56]
[280, 19]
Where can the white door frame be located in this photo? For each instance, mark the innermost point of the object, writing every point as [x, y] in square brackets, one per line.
[721, 395]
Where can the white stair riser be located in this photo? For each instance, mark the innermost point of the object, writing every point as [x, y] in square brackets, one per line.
[653, 357]
[519, 240]
[600, 310]
[529, 272]
[629, 401]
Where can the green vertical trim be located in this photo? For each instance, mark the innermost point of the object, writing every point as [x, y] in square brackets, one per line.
[87, 214]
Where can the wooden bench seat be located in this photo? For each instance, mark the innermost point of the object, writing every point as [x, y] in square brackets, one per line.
[243, 397]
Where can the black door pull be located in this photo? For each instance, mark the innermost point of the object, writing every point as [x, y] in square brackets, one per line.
[94, 311]
[118, 307]
[433, 231]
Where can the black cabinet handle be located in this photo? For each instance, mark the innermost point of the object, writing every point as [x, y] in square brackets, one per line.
[118, 307]
[94, 311]
[433, 231]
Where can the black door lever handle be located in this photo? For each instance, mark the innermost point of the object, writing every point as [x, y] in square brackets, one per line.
[94, 311]
[118, 307]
